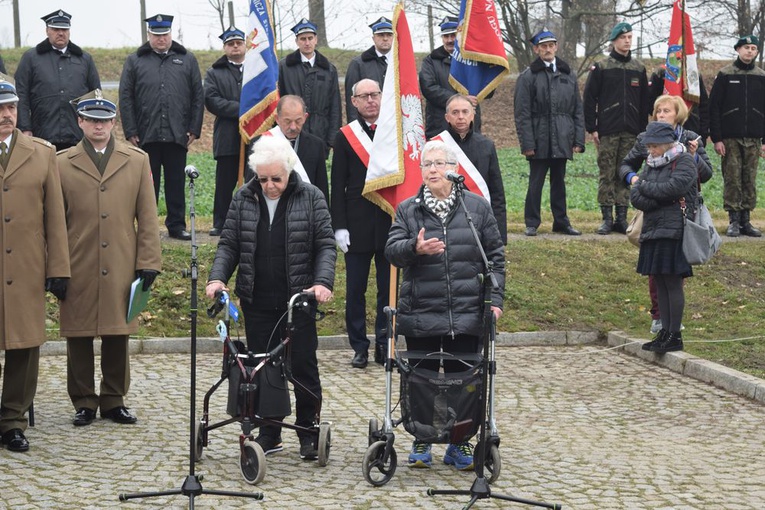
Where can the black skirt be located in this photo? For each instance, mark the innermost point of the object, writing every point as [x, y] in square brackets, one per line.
[663, 256]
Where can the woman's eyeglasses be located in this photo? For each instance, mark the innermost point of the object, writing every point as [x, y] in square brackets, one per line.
[275, 180]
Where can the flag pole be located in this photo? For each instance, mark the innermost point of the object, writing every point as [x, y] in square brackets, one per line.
[240, 178]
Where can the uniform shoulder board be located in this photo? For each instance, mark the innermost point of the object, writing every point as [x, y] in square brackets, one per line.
[62, 151]
[137, 149]
[42, 142]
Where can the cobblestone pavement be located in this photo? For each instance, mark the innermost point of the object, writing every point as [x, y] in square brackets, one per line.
[588, 431]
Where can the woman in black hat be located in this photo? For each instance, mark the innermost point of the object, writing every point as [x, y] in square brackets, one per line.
[666, 183]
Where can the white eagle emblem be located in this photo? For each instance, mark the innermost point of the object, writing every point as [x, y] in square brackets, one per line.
[412, 126]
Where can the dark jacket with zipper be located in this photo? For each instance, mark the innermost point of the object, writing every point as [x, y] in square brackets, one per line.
[442, 294]
[223, 86]
[309, 241]
[737, 102]
[658, 192]
[616, 96]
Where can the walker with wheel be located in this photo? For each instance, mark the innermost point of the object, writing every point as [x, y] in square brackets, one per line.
[258, 389]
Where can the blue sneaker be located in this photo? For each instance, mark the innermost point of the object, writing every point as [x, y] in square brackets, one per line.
[460, 456]
[420, 456]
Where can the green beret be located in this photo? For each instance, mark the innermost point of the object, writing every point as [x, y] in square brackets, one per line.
[747, 39]
[619, 29]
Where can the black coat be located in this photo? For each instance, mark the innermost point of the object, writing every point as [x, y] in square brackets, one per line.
[436, 89]
[482, 153]
[657, 194]
[442, 294]
[367, 224]
[367, 65]
[46, 81]
[312, 153]
[2, 66]
[698, 117]
[548, 111]
[737, 102]
[223, 86]
[320, 89]
[311, 252]
[161, 96]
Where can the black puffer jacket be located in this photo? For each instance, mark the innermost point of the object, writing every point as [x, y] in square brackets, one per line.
[657, 193]
[310, 239]
[442, 294]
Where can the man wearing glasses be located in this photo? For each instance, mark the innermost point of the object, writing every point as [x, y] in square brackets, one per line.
[111, 220]
[361, 227]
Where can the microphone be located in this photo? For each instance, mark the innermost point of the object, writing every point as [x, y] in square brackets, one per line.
[191, 171]
[455, 177]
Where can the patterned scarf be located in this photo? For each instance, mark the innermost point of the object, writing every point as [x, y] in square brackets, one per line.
[671, 154]
[440, 207]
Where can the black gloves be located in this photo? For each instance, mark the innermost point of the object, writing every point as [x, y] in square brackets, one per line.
[57, 287]
[148, 275]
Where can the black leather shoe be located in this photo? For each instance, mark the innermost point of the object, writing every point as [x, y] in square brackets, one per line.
[119, 415]
[567, 230]
[215, 232]
[360, 360]
[84, 416]
[531, 231]
[15, 441]
[180, 234]
[380, 354]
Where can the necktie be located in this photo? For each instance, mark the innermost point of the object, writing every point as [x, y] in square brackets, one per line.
[384, 60]
[372, 127]
[3, 153]
[307, 65]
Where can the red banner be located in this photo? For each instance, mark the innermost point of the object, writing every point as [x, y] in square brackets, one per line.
[682, 72]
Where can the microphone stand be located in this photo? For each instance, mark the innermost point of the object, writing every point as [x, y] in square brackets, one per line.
[192, 485]
[480, 488]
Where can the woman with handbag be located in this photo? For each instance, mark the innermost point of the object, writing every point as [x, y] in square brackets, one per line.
[668, 180]
[672, 110]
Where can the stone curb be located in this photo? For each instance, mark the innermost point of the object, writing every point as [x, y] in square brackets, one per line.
[692, 366]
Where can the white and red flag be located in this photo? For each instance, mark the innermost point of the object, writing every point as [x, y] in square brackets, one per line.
[682, 73]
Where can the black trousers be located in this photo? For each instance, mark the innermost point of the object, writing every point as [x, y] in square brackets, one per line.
[357, 267]
[537, 174]
[259, 326]
[171, 157]
[226, 175]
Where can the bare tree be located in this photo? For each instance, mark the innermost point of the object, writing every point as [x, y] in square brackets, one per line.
[220, 9]
[316, 15]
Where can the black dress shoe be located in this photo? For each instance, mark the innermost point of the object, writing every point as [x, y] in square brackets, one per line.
[380, 354]
[84, 416]
[568, 230]
[215, 232]
[531, 231]
[15, 440]
[360, 360]
[180, 234]
[119, 415]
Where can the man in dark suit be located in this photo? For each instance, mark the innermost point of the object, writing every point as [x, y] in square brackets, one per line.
[223, 86]
[361, 227]
[372, 64]
[290, 118]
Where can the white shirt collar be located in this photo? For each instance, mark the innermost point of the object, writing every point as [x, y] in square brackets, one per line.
[311, 61]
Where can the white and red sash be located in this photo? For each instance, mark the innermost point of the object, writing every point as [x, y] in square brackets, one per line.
[298, 167]
[359, 140]
[474, 181]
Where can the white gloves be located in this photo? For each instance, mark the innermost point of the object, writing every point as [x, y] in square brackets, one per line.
[343, 239]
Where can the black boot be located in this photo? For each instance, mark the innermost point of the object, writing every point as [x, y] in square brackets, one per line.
[673, 342]
[747, 228]
[734, 228]
[608, 220]
[659, 338]
[620, 225]
[380, 354]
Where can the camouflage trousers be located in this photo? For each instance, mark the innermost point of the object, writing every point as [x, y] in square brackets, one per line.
[739, 170]
[611, 152]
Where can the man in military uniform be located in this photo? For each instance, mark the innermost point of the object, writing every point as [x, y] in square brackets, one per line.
[35, 258]
[737, 127]
[434, 82]
[372, 64]
[48, 77]
[616, 110]
[162, 105]
[223, 86]
[308, 74]
[111, 219]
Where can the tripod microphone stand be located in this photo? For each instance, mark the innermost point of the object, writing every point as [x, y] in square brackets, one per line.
[192, 486]
[480, 488]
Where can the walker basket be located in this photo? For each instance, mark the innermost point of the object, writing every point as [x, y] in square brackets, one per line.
[267, 387]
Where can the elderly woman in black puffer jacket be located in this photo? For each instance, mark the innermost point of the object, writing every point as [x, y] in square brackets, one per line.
[665, 185]
[441, 298]
[278, 232]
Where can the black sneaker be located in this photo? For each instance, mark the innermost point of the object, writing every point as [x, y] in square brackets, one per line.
[307, 449]
[660, 336]
[671, 343]
[270, 444]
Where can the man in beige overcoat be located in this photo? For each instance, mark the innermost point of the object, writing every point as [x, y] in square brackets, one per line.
[113, 229]
[33, 257]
